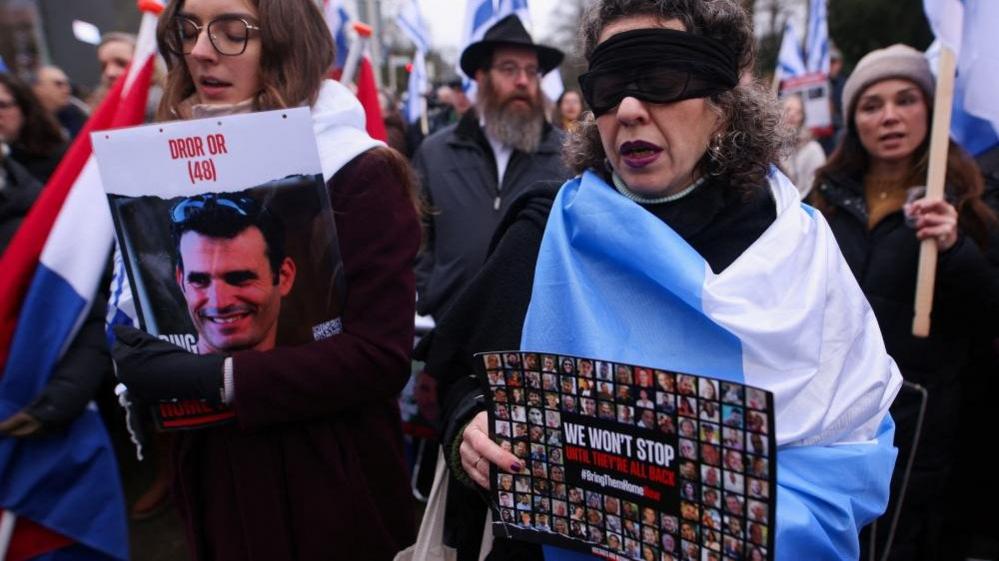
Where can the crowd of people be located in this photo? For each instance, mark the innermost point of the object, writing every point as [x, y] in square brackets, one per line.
[669, 211]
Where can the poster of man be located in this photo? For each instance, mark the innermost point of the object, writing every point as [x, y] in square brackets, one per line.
[232, 269]
[222, 253]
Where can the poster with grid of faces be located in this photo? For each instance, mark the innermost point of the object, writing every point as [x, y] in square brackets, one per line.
[628, 462]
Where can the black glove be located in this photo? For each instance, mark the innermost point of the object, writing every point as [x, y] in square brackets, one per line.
[156, 370]
[21, 425]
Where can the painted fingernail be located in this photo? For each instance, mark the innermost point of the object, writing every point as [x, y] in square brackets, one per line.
[515, 466]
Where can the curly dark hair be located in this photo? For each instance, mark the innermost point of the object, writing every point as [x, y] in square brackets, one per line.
[750, 138]
[40, 134]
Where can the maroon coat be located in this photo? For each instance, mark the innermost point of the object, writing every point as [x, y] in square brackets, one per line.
[313, 469]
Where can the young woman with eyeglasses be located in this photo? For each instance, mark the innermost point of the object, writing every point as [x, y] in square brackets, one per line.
[312, 467]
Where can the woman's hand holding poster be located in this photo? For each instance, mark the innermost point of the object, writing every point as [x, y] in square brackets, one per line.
[629, 462]
[227, 236]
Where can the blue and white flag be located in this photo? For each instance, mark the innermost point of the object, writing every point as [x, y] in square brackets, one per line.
[417, 88]
[479, 16]
[338, 20]
[787, 316]
[411, 22]
[818, 38]
[518, 7]
[968, 28]
[790, 63]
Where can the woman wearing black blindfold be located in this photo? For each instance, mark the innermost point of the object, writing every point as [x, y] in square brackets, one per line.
[679, 247]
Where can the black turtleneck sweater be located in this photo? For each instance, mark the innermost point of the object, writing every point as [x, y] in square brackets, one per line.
[719, 223]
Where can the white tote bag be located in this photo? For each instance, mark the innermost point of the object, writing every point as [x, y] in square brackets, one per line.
[429, 544]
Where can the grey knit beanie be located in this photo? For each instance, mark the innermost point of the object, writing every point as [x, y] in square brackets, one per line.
[897, 61]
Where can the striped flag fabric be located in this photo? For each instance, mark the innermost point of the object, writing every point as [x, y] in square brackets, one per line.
[411, 22]
[416, 89]
[518, 7]
[787, 316]
[790, 63]
[967, 27]
[61, 493]
[338, 20]
[818, 38]
[479, 15]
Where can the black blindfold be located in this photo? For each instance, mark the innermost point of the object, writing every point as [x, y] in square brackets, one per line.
[657, 65]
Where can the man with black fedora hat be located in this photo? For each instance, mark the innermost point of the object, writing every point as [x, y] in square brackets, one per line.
[473, 170]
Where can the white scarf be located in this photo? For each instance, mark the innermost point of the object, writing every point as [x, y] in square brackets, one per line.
[338, 121]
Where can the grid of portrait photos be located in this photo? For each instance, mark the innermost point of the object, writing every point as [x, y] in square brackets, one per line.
[724, 476]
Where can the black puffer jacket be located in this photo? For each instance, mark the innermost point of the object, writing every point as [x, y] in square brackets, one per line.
[965, 306]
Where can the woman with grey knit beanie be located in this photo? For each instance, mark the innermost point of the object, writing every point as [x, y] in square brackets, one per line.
[870, 193]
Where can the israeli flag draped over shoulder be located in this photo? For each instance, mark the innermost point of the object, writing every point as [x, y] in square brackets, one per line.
[613, 281]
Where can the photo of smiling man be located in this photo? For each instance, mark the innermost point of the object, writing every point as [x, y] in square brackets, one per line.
[232, 270]
[227, 243]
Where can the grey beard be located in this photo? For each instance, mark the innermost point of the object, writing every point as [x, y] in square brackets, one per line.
[520, 130]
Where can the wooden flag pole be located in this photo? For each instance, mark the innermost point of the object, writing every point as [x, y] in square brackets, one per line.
[424, 117]
[935, 177]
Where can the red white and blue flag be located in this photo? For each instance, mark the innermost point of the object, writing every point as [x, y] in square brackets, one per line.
[60, 495]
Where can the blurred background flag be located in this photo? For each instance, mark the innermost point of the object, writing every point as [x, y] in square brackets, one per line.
[338, 21]
[60, 495]
[790, 63]
[479, 15]
[969, 28]
[818, 38]
[518, 7]
[417, 88]
[411, 21]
